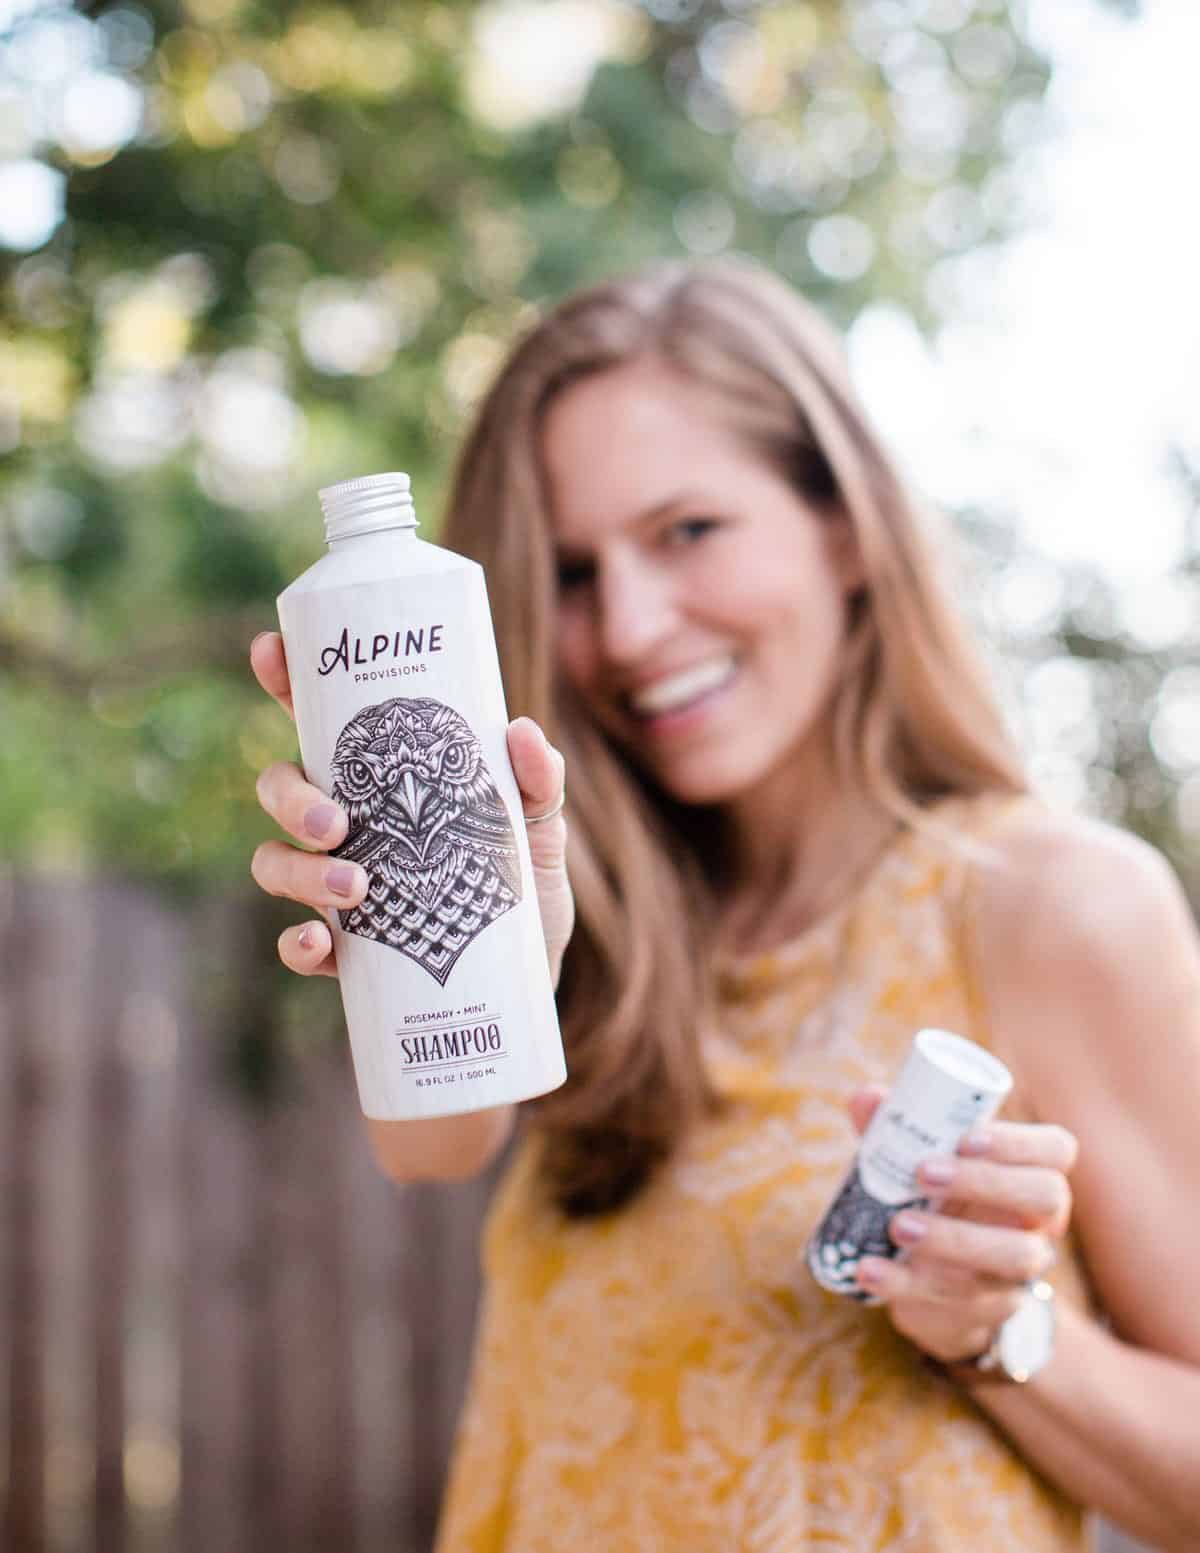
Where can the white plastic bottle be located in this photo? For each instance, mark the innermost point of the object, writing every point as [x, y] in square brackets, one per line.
[401, 717]
[946, 1086]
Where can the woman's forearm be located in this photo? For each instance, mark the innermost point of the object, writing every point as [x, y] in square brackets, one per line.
[1115, 1427]
[443, 1148]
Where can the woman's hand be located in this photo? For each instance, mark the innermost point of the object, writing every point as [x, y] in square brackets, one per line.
[309, 876]
[1001, 1207]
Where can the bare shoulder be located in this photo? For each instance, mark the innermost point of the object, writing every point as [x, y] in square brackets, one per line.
[1062, 882]
[1078, 917]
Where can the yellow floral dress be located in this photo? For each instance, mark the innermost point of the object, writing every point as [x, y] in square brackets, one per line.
[668, 1379]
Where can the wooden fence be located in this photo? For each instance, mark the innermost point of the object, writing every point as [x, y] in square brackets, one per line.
[222, 1330]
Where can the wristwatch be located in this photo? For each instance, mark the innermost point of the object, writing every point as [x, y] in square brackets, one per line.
[1020, 1348]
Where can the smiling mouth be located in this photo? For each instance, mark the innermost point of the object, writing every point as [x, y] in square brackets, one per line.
[680, 691]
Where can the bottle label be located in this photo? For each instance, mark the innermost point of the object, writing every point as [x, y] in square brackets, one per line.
[910, 1126]
[428, 825]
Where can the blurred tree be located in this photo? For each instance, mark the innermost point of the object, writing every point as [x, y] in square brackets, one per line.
[253, 249]
[1105, 678]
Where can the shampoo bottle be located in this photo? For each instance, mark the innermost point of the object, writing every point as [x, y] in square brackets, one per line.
[401, 718]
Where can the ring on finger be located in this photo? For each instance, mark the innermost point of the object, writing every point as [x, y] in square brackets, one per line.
[536, 819]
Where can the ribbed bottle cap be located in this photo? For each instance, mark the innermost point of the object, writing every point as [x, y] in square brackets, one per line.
[374, 502]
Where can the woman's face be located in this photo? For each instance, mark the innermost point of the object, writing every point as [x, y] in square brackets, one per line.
[701, 603]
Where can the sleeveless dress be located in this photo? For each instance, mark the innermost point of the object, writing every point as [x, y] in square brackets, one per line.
[668, 1378]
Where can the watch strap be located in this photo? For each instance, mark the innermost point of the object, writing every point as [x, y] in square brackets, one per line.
[983, 1370]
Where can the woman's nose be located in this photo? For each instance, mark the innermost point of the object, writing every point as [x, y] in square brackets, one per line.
[637, 611]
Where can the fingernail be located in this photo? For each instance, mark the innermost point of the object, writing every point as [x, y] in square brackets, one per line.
[871, 1272]
[908, 1229]
[319, 818]
[938, 1172]
[258, 639]
[977, 1142]
[340, 878]
[306, 937]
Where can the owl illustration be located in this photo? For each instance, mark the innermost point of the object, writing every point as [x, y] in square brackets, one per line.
[429, 827]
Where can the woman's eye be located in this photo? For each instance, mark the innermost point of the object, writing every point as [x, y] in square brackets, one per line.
[574, 574]
[688, 530]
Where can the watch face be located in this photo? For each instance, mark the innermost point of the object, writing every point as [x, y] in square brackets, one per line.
[1027, 1338]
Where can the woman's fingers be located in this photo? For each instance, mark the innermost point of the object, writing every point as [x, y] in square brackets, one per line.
[270, 668]
[1013, 1171]
[308, 950]
[863, 1105]
[970, 1302]
[1030, 1196]
[306, 813]
[300, 808]
[951, 1308]
[1023, 1143]
[307, 877]
[991, 1250]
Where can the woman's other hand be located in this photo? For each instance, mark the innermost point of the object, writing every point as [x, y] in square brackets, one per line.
[307, 875]
[1002, 1203]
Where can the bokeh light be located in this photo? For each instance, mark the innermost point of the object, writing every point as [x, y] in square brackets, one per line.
[705, 222]
[841, 247]
[47, 520]
[32, 203]
[534, 59]
[249, 430]
[133, 420]
[1175, 730]
[97, 114]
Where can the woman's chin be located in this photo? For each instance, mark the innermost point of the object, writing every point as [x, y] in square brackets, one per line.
[702, 785]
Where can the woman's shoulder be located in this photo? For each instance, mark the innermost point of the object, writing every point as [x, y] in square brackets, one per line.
[1071, 918]
[1054, 875]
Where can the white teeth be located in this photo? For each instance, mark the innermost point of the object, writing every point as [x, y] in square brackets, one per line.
[667, 694]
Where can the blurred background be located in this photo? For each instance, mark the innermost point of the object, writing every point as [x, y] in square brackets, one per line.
[248, 250]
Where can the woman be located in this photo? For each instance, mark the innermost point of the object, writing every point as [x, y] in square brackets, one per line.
[798, 831]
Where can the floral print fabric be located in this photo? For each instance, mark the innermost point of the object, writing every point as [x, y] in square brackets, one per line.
[669, 1379]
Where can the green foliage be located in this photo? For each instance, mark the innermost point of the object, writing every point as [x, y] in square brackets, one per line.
[305, 265]
[220, 559]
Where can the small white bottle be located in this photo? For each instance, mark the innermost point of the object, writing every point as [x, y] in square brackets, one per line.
[401, 718]
[947, 1086]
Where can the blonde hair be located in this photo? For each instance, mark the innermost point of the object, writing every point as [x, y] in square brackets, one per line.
[913, 716]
